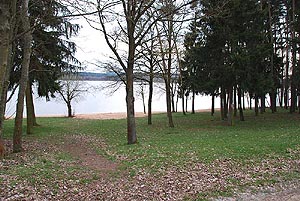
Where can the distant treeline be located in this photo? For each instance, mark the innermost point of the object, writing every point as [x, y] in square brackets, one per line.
[98, 76]
[113, 77]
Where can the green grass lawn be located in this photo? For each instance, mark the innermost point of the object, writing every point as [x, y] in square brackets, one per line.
[196, 138]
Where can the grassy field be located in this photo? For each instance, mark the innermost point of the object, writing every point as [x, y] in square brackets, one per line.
[260, 151]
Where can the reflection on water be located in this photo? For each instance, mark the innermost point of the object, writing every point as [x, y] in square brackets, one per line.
[100, 99]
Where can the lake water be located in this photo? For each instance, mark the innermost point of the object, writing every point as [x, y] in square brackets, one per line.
[100, 99]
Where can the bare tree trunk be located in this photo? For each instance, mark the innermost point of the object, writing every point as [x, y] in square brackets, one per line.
[234, 102]
[143, 99]
[212, 105]
[256, 105]
[168, 76]
[186, 102]
[287, 61]
[172, 96]
[183, 102]
[243, 95]
[29, 109]
[263, 104]
[193, 102]
[294, 58]
[286, 81]
[4, 56]
[131, 127]
[222, 104]
[240, 104]
[250, 102]
[273, 90]
[230, 107]
[17, 137]
[69, 106]
[151, 77]
[150, 96]
[168, 99]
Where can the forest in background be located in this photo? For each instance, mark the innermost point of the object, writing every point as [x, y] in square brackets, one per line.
[225, 48]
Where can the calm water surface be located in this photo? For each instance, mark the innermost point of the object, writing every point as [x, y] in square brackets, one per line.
[100, 99]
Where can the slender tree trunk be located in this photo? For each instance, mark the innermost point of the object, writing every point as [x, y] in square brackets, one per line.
[150, 95]
[212, 104]
[131, 127]
[243, 95]
[263, 104]
[240, 104]
[29, 109]
[172, 100]
[235, 102]
[69, 106]
[193, 102]
[250, 103]
[177, 99]
[287, 62]
[168, 87]
[225, 104]
[222, 104]
[183, 107]
[294, 58]
[5, 30]
[186, 102]
[230, 107]
[273, 90]
[17, 137]
[143, 100]
[256, 105]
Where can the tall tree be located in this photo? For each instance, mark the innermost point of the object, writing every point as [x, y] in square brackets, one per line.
[131, 21]
[27, 39]
[7, 12]
[52, 52]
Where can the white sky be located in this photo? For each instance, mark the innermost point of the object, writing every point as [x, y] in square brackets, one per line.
[91, 46]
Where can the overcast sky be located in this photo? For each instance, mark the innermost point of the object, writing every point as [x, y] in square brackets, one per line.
[91, 46]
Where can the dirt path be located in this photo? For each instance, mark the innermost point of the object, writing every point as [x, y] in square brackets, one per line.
[81, 149]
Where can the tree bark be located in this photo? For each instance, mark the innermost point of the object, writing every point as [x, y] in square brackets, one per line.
[256, 105]
[143, 100]
[168, 76]
[212, 105]
[287, 61]
[230, 107]
[5, 30]
[183, 102]
[234, 102]
[150, 96]
[29, 109]
[242, 118]
[243, 95]
[273, 89]
[151, 77]
[263, 104]
[193, 102]
[172, 97]
[69, 106]
[222, 104]
[131, 127]
[294, 58]
[27, 37]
